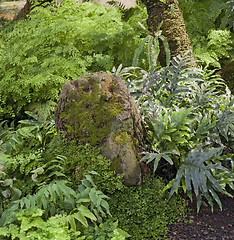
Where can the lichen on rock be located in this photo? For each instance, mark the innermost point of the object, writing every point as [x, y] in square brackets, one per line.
[97, 109]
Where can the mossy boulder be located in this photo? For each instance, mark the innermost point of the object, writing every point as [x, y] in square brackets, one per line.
[97, 109]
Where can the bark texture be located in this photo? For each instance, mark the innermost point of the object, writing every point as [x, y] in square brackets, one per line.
[173, 27]
[29, 5]
[24, 11]
[227, 73]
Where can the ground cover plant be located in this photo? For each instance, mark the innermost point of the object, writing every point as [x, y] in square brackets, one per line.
[56, 196]
[54, 189]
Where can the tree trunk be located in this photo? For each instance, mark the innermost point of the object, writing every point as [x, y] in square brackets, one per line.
[173, 27]
[29, 5]
[24, 11]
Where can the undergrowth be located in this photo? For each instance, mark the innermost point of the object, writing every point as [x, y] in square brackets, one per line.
[57, 44]
[81, 159]
[145, 211]
[188, 116]
[207, 24]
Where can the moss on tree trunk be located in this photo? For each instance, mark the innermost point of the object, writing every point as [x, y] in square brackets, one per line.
[173, 27]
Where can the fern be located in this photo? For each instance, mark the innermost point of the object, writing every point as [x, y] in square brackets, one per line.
[81, 214]
[54, 169]
[156, 157]
[123, 72]
[60, 44]
[217, 48]
[153, 49]
[5, 133]
[41, 200]
[196, 172]
[116, 3]
[168, 84]
[225, 125]
[30, 224]
[202, 18]
[227, 20]
[36, 128]
[58, 198]
[98, 204]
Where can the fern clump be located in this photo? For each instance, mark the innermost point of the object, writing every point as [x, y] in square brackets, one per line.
[218, 47]
[55, 45]
[188, 117]
[212, 44]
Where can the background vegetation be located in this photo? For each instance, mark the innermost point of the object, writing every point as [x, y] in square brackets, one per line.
[52, 189]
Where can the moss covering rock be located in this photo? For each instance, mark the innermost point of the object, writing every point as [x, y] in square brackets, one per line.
[97, 109]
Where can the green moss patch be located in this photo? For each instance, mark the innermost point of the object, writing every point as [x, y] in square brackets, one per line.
[91, 110]
[145, 211]
[122, 138]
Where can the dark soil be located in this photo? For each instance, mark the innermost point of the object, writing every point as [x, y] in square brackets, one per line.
[218, 225]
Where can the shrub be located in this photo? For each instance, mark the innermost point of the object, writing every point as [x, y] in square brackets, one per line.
[58, 44]
[188, 115]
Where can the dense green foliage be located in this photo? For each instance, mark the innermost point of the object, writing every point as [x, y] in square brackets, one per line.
[42, 200]
[51, 193]
[57, 44]
[189, 121]
[54, 189]
[205, 22]
[145, 211]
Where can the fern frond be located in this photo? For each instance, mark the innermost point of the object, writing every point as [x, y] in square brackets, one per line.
[116, 3]
[156, 157]
[81, 215]
[123, 72]
[139, 50]
[166, 49]
[197, 174]
[87, 190]
[46, 198]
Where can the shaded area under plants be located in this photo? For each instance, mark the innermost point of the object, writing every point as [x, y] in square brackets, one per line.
[206, 225]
